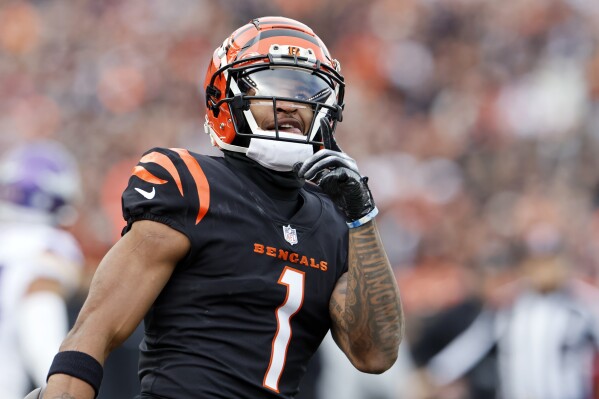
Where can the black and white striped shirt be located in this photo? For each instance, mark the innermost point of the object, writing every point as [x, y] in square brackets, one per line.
[546, 344]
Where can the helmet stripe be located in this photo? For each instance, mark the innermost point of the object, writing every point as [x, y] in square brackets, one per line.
[248, 32]
[266, 22]
[279, 32]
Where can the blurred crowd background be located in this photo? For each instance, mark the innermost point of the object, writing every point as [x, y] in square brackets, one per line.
[477, 121]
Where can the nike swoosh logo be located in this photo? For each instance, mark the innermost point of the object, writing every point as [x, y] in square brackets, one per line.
[147, 194]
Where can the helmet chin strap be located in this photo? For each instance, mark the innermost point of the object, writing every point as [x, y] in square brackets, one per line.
[278, 155]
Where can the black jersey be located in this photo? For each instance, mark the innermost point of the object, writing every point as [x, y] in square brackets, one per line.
[248, 306]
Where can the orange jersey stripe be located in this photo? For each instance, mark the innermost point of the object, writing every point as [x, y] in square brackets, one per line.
[166, 163]
[200, 179]
[143, 174]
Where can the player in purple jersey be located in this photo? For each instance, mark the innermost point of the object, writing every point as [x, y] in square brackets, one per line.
[241, 264]
[40, 262]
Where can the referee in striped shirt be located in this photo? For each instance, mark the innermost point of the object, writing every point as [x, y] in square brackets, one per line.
[546, 334]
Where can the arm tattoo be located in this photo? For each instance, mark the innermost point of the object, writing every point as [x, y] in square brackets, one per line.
[373, 308]
[336, 308]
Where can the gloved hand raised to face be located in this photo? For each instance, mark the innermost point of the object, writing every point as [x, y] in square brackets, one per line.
[337, 175]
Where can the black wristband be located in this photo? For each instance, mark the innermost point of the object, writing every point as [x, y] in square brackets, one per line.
[79, 365]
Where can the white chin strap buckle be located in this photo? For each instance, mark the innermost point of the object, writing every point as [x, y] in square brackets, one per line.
[279, 155]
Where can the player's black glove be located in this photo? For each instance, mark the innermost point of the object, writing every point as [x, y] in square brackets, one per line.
[337, 175]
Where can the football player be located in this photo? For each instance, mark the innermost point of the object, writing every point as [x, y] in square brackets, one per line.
[241, 264]
[39, 262]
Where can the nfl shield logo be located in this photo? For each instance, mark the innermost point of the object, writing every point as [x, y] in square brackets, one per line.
[290, 235]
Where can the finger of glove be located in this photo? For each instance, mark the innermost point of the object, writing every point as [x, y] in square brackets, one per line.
[324, 153]
[333, 184]
[330, 162]
[345, 188]
[326, 160]
[313, 159]
[325, 131]
[340, 178]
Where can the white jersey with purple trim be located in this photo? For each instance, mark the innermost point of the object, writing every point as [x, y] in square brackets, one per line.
[29, 252]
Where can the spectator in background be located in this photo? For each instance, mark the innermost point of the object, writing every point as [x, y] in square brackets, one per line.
[544, 326]
[438, 329]
[40, 262]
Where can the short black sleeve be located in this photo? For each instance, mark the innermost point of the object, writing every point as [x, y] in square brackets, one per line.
[155, 191]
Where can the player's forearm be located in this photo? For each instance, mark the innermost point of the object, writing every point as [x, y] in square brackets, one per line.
[94, 334]
[373, 312]
[61, 386]
[92, 337]
[76, 371]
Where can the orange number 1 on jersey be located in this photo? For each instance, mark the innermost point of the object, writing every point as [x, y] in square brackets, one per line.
[294, 281]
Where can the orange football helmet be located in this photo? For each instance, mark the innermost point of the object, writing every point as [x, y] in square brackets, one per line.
[268, 61]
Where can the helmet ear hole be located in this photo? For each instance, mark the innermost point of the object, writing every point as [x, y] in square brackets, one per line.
[212, 94]
[242, 138]
[215, 111]
[241, 141]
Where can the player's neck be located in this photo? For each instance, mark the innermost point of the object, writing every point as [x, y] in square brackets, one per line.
[279, 185]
